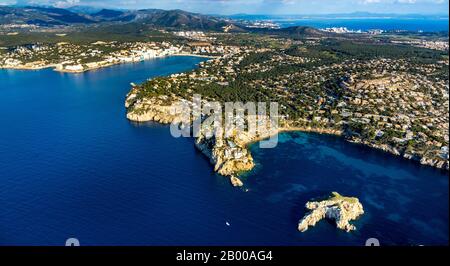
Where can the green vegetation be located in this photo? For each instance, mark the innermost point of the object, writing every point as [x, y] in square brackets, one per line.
[334, 50]
[131, 32]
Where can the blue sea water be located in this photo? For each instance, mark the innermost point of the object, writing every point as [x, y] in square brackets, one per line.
[71, 165]
[364, 24]
[425, 24]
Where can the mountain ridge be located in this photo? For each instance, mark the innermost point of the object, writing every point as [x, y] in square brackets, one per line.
[52, 16]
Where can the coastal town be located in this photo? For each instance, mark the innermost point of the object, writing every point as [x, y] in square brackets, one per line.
[75, 58]
[397, 105]
[67, 57]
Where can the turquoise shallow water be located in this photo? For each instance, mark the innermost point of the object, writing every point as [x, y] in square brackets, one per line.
[71, 165]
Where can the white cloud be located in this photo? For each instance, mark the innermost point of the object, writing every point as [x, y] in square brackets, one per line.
[401, 1]
[66, 3]
[7, 2]
[56, 3]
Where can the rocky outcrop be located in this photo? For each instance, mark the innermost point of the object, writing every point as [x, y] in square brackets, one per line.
[335, 207]
[227, 153]
[228, 158]
[236, 182]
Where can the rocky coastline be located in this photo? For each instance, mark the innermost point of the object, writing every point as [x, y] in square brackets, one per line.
[439, 164]
[229, 156]
[55, 67]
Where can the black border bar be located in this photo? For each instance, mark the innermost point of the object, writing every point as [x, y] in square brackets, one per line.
[279, 255]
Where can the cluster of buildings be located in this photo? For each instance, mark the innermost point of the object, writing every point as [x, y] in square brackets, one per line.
[18, 26]
[69, 57]
[207, 48]
[134, 52]
[194, 35]
[263, 25]
[77, 58]
[435, 45]
[341, 30]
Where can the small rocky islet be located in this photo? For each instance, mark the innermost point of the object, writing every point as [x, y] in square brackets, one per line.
[334, 207]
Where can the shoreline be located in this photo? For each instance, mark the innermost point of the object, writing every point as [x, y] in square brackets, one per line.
[339, 133]
[28, 68]
[231, 156]
[320, 131]
[54, 66]
[331, 132]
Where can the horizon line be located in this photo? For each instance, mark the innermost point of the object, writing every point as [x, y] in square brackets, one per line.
[234, 14]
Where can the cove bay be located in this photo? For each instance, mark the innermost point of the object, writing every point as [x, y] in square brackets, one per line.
[72, 165]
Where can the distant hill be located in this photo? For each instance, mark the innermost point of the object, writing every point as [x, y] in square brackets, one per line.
[108, 13]
[157, 18]
[50, 16]
[180, 19]
[42, 16]
[113, 15]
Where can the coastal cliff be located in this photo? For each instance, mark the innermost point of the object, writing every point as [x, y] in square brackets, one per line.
[336, 207]
[226, 156]
[228, 153]
[229, 156]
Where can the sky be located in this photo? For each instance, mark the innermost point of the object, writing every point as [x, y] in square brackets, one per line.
[274, 7]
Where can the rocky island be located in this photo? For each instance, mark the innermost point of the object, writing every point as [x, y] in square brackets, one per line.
[336, 207]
